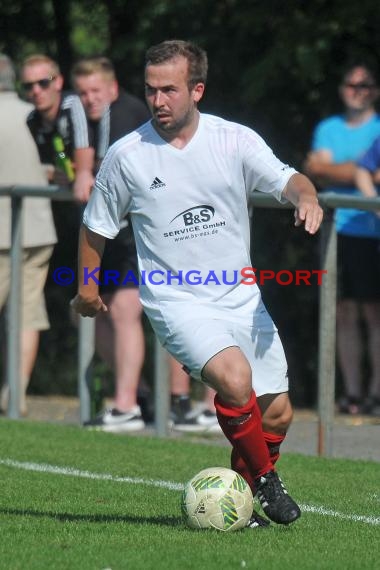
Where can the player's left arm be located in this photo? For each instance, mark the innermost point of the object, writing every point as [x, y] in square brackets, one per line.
[300, 191]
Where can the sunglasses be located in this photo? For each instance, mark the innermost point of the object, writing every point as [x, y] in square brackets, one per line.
[360, 86]
[43, 83]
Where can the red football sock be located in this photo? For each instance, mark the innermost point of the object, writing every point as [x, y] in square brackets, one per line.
[242, 427]
[238, 464]
[273, 441]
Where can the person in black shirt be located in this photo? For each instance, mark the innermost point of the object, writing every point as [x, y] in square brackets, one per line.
[112, 113]
[57, 114]
[60, 116]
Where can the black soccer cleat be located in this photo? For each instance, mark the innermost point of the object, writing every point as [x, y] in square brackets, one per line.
[274, 499]
[257, 521]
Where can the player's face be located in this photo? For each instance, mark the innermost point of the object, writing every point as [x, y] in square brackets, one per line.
[170, 101]
[359, 91]
[96, 92]
[42, 87]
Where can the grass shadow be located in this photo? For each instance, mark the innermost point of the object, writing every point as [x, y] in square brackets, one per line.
[171, 521]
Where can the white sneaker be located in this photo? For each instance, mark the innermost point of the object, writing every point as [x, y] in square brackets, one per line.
[113, 421]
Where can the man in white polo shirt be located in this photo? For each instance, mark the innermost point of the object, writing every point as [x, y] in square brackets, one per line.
[185, 178]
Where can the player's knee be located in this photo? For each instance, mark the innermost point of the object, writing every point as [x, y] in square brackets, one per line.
[229, 373]
[237, 385]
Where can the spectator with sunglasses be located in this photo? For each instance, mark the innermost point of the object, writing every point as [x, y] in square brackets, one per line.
[338, 142]
[59, 114]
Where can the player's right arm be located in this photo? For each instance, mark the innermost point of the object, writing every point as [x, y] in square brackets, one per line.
[87, 302]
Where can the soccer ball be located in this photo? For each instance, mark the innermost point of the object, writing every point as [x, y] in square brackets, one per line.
[217, 498]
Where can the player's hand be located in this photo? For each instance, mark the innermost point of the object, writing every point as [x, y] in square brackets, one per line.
[88, 307]
[309, 213]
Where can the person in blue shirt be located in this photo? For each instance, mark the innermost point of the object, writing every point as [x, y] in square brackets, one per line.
[367, 177]
[338, 142]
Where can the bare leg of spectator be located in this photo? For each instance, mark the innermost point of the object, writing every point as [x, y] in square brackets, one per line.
[349, 346]
[184, 418]
[179, 379]
[125, 347]
[372, 317]
[29, 348]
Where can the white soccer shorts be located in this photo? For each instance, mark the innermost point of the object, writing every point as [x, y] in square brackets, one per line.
[194, 335]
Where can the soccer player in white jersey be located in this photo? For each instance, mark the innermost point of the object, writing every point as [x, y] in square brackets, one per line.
[185, 178]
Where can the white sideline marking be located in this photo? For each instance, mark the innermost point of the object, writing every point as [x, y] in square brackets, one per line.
[45, 468]
[54, 469]
[330, 513]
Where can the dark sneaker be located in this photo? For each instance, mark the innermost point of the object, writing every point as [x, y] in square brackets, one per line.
[371, 406]
[257, 521]
[146, 403]
[196, 421]
[113, 421]
[349, 405]
[274, 499]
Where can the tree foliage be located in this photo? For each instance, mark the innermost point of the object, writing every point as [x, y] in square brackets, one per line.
[274, 66]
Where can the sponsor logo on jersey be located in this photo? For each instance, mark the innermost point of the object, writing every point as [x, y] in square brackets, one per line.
[156, 184]
[196, 222]
[195, 215]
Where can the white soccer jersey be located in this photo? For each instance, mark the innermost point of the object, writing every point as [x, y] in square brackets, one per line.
[189, 210]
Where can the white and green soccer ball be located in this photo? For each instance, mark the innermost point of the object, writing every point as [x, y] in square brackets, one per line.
[218, 498]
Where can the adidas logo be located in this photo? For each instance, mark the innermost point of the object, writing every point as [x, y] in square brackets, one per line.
[201, 508]
[157, 183]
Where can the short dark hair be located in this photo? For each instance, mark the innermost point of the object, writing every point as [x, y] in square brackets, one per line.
[170, 49]
[350, 66]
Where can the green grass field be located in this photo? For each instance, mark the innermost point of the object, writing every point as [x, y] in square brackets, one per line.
[77, 500]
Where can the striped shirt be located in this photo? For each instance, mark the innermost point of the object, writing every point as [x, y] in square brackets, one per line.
[70, 124]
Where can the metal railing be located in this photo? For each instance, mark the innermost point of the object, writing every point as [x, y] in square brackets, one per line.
[327, 315]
